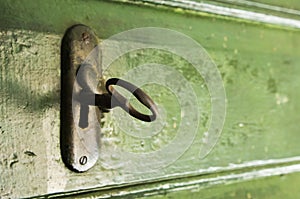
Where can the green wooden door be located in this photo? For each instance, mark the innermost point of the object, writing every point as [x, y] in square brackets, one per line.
[255, 47]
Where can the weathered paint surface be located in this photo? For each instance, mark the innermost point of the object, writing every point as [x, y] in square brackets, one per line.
[293, 4]
[273, 187]
[259, 66]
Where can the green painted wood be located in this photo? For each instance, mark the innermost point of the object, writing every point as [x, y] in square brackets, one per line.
[266, 6]
[283, 186]
[259, 67]
[273, 187]
[292, 4]
[242, 9]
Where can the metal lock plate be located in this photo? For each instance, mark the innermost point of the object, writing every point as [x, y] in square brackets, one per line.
[79, 136]
[83, 98]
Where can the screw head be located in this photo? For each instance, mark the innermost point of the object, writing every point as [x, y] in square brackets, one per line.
[83, 160]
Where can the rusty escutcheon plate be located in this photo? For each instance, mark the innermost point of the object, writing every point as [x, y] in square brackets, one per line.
[79, 139]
